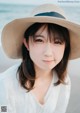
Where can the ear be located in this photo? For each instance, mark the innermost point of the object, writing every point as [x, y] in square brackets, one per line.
[26, 44]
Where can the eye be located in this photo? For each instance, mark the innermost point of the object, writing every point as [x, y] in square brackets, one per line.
[38, 40]
[57, 41]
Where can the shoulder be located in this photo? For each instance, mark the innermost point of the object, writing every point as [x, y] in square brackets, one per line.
[68, 81]
[8, 83]
[66, 90]
[8, 79]
[67, 86]
[64, 95]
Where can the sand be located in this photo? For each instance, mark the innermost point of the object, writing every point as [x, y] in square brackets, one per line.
[6, 62]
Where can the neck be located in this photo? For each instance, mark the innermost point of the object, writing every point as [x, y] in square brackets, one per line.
[43, 74]
[43, 78]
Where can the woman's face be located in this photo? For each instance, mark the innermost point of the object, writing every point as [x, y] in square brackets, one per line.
[44, 53]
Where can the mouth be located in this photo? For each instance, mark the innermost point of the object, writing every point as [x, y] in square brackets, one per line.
[48, 61]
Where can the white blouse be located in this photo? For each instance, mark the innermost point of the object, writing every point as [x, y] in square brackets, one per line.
[15, 99]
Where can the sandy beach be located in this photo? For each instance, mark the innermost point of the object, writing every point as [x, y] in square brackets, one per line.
[73, 70]
[6, 62]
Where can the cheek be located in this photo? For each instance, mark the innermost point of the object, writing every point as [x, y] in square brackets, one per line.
[35, 52]
[60, 52]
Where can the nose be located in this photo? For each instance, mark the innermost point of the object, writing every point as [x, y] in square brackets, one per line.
[48, 50]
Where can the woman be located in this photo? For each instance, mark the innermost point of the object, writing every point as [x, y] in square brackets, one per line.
[44, 42]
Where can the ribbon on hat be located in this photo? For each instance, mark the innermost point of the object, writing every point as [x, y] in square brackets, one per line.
[53, 14]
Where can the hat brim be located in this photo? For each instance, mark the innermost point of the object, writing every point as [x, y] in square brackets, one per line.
[13, 33]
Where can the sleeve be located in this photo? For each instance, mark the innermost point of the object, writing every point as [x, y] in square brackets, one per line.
[63, 98]
[8, 88]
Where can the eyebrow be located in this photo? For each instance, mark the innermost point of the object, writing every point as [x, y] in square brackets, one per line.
[39, 36]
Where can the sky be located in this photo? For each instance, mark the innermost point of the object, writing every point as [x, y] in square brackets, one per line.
[35, 2]
[28, 1]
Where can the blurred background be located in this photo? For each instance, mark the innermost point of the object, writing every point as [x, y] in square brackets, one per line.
[12, 9]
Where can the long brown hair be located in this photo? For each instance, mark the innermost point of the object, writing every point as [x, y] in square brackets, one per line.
[26, 70]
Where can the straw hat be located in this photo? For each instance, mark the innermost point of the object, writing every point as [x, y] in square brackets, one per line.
[13, 32]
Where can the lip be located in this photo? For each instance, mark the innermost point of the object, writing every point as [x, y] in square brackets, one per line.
[48, 60]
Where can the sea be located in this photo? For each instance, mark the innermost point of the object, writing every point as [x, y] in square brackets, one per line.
[9, 12]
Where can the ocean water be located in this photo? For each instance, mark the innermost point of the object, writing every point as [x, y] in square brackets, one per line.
[9, 12]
